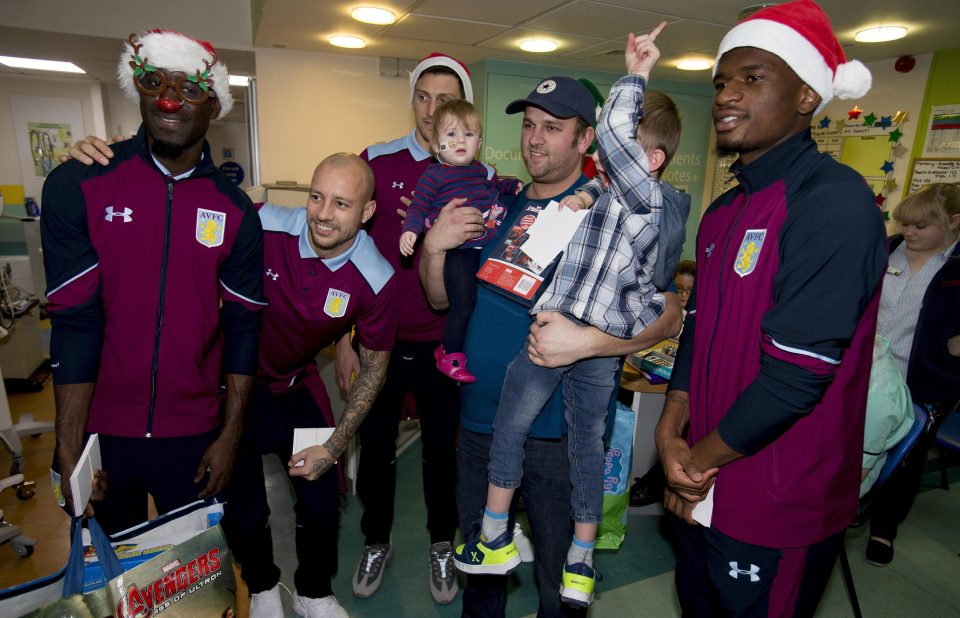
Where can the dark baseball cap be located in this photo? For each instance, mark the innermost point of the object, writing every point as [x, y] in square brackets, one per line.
[563, 97]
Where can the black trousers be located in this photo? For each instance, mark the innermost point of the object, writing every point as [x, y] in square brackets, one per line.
[268, 429]
[412, 368]
[719, 576]
[893, 501]
[135, 467]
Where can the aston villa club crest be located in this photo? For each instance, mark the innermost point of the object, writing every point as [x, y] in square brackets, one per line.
[210, 227]
[336, 303]
[749, 252]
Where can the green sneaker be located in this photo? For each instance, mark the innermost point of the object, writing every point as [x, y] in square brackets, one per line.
[576, 587]
[480, 557]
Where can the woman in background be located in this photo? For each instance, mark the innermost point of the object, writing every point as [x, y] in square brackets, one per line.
[920, 316]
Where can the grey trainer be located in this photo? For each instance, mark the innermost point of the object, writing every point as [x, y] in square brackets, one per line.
[369, 573]
[443, 577]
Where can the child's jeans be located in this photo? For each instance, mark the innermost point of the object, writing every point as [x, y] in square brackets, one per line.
[460, 268]
[587, 387]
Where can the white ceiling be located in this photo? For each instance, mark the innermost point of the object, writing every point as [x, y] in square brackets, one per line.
[591, 33]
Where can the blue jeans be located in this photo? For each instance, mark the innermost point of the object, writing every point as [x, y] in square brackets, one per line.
[587, 386]
[545, 493]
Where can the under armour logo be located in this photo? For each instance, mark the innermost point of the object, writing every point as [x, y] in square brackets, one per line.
[397, 185]
[125, 214]
[736, 571]
[272, 274]
[709, 250]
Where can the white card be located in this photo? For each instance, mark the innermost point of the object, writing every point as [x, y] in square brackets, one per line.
[81, 481]
[304, 437]
[703, 510]
[551, 233]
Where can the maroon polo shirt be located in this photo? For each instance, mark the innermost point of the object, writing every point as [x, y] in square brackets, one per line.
[313, 301]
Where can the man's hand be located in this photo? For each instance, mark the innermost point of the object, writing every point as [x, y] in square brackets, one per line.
[92, 148]
[316, 461]
[642, 54]
[346, 363]
[680, 507]
[99, 492]
[218, 460]
[683, 477]
[953, 345]
[555, 340]
[406, 201]
[455, 225]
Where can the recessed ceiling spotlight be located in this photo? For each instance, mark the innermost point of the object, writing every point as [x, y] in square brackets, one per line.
[881, 34]
[350, 42]
[40, 65]
[694, 64]
[373, 15]
[538, 46]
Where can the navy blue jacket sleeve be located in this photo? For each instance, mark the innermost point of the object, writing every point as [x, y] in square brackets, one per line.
[73, 280]
[682, 365]
[241, 280]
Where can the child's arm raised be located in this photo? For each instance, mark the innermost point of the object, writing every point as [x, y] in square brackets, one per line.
[627, 165]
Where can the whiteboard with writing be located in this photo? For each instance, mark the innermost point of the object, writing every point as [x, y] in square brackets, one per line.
[927, 171]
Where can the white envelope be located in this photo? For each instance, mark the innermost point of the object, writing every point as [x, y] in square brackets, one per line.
[703, 510]
[81, 481]
[551, 233]
[304, 437]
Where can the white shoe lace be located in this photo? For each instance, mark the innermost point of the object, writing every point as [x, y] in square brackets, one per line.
[371, 555]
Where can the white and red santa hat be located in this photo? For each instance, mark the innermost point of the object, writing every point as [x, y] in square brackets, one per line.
[437, 59]
[170, 50]
[800, 34]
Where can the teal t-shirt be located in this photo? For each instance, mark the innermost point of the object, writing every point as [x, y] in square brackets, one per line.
[497, 331]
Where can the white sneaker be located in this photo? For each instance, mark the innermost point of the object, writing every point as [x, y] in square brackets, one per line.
[524, 546]
[326, 607]
[267, 604]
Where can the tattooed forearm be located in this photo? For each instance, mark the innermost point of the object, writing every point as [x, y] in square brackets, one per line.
[373, 371]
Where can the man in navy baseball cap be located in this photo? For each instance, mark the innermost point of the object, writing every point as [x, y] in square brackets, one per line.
[563, 97]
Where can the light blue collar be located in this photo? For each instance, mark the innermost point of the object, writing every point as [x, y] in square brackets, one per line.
[307, 250]
[416, 150]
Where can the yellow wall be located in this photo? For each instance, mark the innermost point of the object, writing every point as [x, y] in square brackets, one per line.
[311, 105]
[891, 92]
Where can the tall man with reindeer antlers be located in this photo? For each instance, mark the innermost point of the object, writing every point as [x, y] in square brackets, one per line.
[148, 261]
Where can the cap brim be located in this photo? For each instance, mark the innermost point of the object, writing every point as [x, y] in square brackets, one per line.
[552, 108]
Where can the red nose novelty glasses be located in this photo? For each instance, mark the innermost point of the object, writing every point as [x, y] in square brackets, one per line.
[156, 84]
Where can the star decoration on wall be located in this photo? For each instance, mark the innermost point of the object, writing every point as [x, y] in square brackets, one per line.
[840, 124]
[854, 113]
[894, 136]
[899, 117]
[879, 199]
[885, 121]
[899, 150]
[887, 167]
[890, 185]
[825, 123]
[869, 119]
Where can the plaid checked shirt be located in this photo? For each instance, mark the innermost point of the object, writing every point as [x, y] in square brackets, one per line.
[604, 276]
